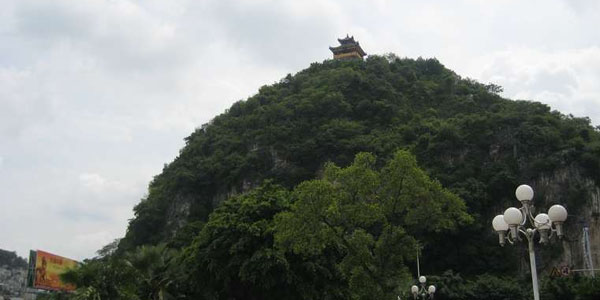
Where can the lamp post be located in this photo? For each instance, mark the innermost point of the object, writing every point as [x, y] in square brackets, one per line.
[422, 292]
[512, 225]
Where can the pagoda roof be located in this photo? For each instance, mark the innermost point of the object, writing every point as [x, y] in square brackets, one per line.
[348, 44]
[347, 40]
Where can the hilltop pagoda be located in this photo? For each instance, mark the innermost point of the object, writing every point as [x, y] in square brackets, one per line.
[348, 48]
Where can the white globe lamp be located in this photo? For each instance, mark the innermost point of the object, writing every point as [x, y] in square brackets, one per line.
[431, 289]
[500, 227]
[558, 214]
[513, 216]
[524, 193]
[543, 224]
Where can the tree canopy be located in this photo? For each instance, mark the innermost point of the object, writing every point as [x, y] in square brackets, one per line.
[372, 218]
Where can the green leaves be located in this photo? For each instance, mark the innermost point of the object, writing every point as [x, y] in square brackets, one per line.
[347, 235]
[105, 278]
[233, 255]
[310, 233]
[319, 204]
[369, 216]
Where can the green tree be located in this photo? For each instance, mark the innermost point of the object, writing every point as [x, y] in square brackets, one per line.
[452, 286]
[154, 270]
[106, 278]
[372, 218]
[233, 257]
[571, 288]
[145, 273]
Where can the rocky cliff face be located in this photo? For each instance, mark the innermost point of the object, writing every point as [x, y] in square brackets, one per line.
[180, 207]
[555, 189]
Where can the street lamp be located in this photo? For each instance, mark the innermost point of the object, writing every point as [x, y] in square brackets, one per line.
[423, 293]
[514, 220]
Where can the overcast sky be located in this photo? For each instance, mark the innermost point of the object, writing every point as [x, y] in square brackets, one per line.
[95, 96]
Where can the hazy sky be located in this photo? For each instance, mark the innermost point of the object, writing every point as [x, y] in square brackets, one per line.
[95, 96]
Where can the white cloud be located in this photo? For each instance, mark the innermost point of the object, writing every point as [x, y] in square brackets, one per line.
[565, 79]
[92, 181]
[89, 241]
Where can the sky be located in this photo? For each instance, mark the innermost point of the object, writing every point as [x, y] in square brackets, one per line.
[96, 96]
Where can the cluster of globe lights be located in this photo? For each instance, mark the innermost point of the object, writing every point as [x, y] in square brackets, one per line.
[545, 225]
[514, 218]
[422, 291]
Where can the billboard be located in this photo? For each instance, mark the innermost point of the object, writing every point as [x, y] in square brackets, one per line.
[45, 269]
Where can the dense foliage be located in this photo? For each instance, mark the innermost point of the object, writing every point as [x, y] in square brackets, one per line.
[234, 256]
[371, 218]
[349, 235]
[149, 273]
[269, 199]
[11, 260]
[474, 142]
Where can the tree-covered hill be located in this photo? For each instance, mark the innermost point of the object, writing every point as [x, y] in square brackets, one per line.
[463, 133]
[11, 260]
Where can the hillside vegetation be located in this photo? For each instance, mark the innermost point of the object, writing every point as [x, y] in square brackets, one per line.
[322, 186]
[11, 260]
[465, 135]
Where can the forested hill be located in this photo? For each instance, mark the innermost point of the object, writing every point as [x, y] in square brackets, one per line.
[11, 260]
[463, 133]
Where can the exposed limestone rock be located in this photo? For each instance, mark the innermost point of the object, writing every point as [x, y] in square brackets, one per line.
[178, 212]
[554, 189]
